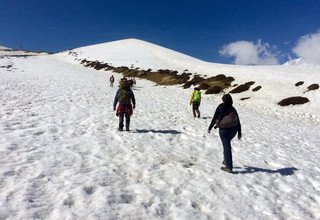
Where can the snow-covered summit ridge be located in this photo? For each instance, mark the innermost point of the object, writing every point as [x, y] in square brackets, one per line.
[300, 62]
[4, 48]
[5, 51]
[135, 52]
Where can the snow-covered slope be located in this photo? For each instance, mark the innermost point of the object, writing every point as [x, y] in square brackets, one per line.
[302, 63]
[278, 82]
[135, 52]
[4, 48]
[61, 156]
[5, 51]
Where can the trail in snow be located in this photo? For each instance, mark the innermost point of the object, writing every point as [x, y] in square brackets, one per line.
[62, 156]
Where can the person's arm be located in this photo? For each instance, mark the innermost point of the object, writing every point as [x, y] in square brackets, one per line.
[215, 117]
[239, 126]
[133, 100]
[191, 97]
[115, 101]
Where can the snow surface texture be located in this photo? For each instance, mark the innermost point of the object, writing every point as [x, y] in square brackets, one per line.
[61, 156]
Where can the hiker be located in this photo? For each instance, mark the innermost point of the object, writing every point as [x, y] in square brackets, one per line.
[195, 100]
[111, 80]
[226, 118]
[127, 103]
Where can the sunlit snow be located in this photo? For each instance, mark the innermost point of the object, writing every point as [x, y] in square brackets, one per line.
[61, 156]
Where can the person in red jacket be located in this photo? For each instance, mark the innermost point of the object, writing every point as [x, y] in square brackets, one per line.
[126, 103]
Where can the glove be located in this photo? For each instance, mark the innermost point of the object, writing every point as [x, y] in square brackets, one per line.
[114, 108]
[134, 106]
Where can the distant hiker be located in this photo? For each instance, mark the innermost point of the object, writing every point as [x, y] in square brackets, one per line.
[195, 100]
[111, 80]
[127, 103]
[226, 118]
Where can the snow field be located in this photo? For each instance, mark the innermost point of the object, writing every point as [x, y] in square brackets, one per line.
[61, 155]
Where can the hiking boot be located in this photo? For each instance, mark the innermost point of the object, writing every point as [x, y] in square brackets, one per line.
[120, 129]
[127, 129]
[226, 169]
[224, 162]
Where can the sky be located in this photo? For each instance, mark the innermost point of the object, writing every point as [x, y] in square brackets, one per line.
[250, 32]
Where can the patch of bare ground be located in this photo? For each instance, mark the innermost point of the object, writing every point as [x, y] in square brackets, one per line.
[212, 85]
[299, 83]
[242, 87]
[256, 88]
[297, 100]
[313, 87]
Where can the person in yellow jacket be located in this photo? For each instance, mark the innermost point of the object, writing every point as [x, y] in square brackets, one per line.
[195, 100]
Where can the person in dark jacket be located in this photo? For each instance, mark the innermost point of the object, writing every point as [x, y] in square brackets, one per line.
[127, 103]
[111, 80]
[226, 134]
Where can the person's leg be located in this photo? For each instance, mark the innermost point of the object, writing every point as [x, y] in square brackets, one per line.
[197, 108]
[227, 154]
[194, 109]
[127, 115]
[121, 116]
[198, 112]
[226, 136]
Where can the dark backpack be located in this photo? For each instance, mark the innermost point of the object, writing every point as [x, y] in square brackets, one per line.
[231, 120]
[124, 96]
[123, 84]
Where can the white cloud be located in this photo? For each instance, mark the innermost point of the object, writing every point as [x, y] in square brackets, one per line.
[308, 48]
[249, 53]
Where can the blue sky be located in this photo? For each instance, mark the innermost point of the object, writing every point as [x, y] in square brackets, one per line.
[198, 28]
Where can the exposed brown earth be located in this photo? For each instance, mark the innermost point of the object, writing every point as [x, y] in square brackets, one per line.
[297, 100]
[212, 85]
[256, 88]
[313, 87]
[299, 83]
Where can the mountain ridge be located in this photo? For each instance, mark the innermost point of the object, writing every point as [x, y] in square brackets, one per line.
[276, 82]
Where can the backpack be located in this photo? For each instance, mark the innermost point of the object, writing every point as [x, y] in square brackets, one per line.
[123, 84]
[229, 121]
[197, 96]
[124, 96]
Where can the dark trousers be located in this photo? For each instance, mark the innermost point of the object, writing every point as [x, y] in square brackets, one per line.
[195, 109]
[121, 117]
[226, 135]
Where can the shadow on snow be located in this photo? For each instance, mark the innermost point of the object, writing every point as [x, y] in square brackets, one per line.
[157, 131]
[283, 171]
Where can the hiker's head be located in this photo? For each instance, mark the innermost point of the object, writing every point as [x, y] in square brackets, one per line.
[227, 99]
